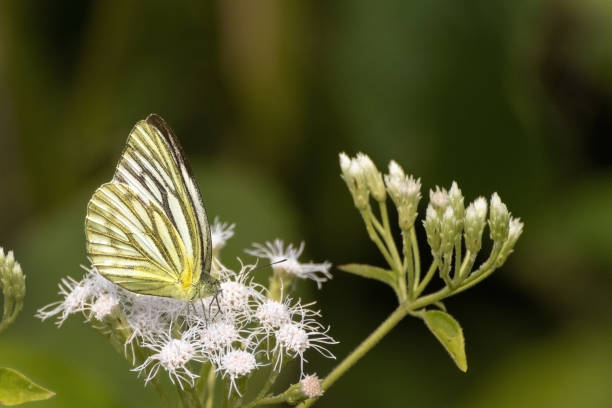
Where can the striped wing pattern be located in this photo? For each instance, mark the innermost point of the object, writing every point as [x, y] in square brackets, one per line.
[147, 229]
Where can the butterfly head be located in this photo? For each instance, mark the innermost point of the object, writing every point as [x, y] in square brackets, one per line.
[207, 286]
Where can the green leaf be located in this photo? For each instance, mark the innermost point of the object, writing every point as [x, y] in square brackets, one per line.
[448, 331]
[15, 388]
[370, 272]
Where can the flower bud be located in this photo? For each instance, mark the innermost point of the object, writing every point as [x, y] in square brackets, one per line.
[373, 177]
[448, 232]
[432, 224]
[515, 229]
[12, 278]
[499, 218]
[439, 199]
[405, 192]
[456, 202]
[475, 221]
[354, 176]
[308, 387]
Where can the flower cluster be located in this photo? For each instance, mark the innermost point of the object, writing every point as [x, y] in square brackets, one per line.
[236, 331]
[449, 226]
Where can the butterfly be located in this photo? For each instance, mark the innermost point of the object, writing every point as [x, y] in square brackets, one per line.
[147, 229]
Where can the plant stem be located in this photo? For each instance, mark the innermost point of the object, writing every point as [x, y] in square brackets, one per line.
[162, 394]
[456, 274]
[388, 236]
[428, 276]
[261, 398]
[210, 388]
[276, 399]
[189, 397]
[408, 264]
[415, 254]
[362, 349]
[376, 239]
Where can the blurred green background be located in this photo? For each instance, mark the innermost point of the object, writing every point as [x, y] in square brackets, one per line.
[514, 97]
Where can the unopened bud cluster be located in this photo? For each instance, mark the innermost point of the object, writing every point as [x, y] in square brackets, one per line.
[12, 278]
[449, 225]
[447, 219]
[12, 281]
[363, 179]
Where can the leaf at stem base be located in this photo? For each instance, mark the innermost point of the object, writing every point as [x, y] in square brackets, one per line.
[448, 331]
[15, 388]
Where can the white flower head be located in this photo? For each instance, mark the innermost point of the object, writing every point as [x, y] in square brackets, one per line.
[171, 354]
[273, 314]
[286, 259]
[439, 199]
[216, 337]
[76, 296]
[237, 363]
[239, 294]
[104, 305]
[220, 233]
[294, 338]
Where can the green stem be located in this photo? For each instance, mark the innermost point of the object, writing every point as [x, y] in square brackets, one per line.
[408, 264]
[417, 257]
[278, 281]
[162, 394]
[210, 387]
[376, 239]
[428, 276]
[362, 349]
[272, 376]
[8, 314]
[189, 397]
[264, 390]
[388, 236]
[201, 383]
[466, 267]
[276, 399]
[456, 274]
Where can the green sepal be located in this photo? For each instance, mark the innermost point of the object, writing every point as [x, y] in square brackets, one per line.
[371, 272]
[448, 332]
[15, 388]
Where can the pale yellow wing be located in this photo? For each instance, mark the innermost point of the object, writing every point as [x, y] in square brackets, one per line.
[147, 230]
[134, 244]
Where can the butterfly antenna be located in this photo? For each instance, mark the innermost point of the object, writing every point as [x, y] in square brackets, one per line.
[267, 265]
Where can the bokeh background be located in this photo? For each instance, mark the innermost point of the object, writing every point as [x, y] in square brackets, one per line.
[514, 97]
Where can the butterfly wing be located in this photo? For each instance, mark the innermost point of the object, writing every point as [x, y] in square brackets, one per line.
[147, 229]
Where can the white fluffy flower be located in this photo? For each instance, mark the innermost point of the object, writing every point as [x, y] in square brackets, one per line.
[286, 259]
[227, 330]
[76, 295]
[237, 363]
[104, 305]
[272, 314]
[220, 233]
[173, 355]
[294, 338]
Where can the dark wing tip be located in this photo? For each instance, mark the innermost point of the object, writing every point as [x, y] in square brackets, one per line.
[157, 121]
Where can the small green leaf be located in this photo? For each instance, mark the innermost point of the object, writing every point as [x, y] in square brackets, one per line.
[448, 331]
[16, 389]
[370, 272]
